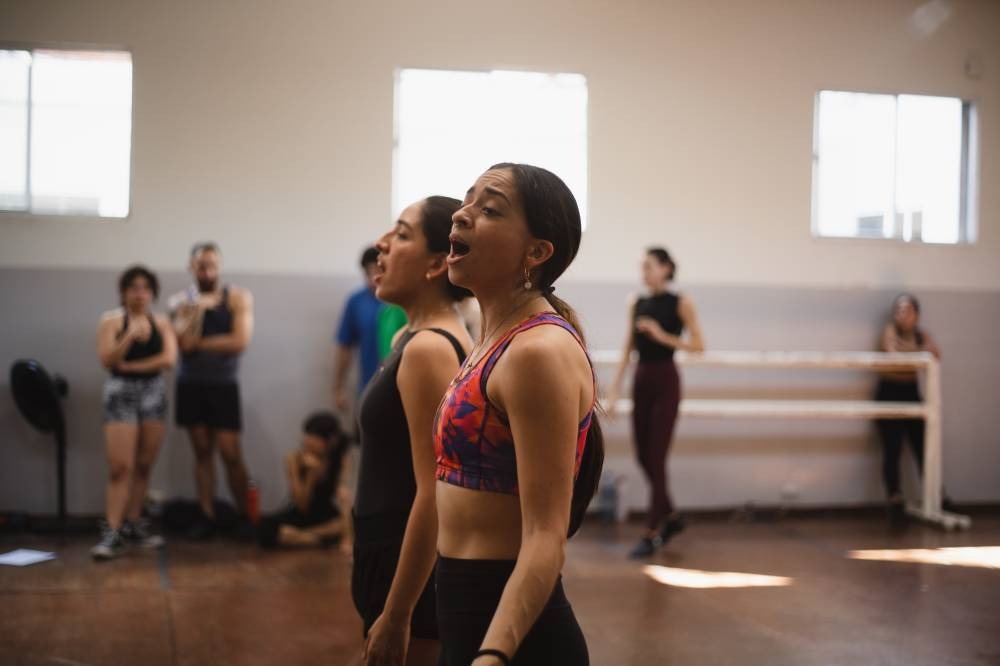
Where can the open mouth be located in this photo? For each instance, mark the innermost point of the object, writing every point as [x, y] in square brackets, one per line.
[458, 248]
[379, 271]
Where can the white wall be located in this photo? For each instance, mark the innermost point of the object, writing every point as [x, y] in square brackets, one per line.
[268, 126]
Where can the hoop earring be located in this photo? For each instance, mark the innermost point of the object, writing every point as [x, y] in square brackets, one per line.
[527, 279]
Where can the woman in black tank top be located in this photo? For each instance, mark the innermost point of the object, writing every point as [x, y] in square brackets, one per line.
[656, 322]
[395, 516]
[135, 346]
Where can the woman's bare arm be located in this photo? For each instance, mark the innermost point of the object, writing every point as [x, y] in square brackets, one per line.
[111, 349]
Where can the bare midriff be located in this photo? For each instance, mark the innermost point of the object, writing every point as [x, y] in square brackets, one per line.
[477, 524]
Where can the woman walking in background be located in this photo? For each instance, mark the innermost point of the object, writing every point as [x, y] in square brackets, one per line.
[656, 323]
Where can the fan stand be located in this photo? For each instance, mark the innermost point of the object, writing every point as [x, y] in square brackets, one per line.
[61, 472]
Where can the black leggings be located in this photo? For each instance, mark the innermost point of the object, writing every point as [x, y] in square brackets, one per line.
[656, 395]
[468, 593]
[894, 431]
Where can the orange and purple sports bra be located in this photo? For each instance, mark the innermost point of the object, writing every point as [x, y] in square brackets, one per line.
[472, 437]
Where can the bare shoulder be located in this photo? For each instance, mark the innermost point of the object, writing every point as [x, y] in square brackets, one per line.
[930, 342]
[429, 349]
[543, 365]
[685, 303]
[240, 296]
[161, 320]
[111, 317]
[546, 348]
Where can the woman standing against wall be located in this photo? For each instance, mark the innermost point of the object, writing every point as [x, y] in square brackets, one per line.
[656, 322]
[902, 334]
[136, 347]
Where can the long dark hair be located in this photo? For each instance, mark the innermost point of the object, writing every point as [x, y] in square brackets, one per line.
[552, 214]
[918, 334]
[436, 223]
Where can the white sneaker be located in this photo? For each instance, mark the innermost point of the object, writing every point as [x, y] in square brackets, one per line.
[138, 532]
[110, 545]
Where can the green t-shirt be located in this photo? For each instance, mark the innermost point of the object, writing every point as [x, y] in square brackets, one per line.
[391, 318]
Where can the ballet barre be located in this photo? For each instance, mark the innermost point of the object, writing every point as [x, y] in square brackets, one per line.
[929, 509]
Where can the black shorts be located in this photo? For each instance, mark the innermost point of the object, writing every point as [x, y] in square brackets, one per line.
[468, 593]
[213, 405]
[378, 541]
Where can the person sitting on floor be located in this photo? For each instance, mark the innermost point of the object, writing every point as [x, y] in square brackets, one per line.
[317, 515]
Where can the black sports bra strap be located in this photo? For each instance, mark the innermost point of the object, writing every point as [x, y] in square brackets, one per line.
[456, 345]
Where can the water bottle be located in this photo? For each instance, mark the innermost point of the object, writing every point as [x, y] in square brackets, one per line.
[253, 502]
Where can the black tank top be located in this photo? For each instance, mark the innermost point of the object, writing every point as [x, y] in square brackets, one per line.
[385, 478]
[139, 350]
[211, 367]
[662, 308]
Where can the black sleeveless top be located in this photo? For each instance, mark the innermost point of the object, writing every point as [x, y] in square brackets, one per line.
[386, 484]
[662, 308]
[139, 350]
[212, 367]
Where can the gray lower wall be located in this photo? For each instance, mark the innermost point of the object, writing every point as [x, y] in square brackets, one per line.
[51, 315]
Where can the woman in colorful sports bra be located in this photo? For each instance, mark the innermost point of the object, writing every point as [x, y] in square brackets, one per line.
[518, 446]
[395, 520]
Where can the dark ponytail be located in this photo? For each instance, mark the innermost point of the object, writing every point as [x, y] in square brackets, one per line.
[592, 462]
[436, 223]
[552, 214]
[662, 256]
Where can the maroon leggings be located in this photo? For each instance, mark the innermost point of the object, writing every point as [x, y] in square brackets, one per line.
[656, 394]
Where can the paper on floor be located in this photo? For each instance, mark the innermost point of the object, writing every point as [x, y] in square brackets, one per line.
[22, 557]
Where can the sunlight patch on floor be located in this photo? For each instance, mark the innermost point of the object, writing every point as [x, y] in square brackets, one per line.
[987, 557]
[694, 578]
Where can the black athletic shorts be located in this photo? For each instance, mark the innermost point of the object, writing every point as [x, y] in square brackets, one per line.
[468, 593]
[378, 541]
[212, 405]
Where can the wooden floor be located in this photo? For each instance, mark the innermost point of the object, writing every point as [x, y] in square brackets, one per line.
[227, 603]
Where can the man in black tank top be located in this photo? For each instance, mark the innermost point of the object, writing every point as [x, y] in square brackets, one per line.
[214, 325]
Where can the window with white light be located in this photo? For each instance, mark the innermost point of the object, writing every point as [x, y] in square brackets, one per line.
[894, 166]
[65, 132]
[452, 125]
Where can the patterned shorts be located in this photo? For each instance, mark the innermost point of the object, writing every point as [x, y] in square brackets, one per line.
[135, 399]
